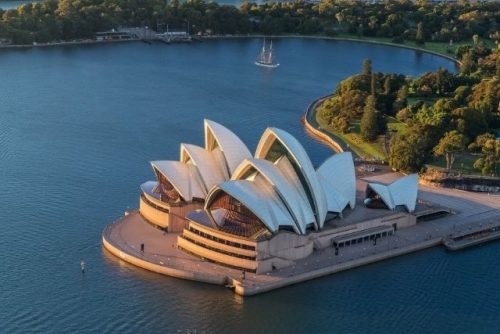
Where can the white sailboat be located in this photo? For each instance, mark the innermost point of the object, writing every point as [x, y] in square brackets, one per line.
[265, 58]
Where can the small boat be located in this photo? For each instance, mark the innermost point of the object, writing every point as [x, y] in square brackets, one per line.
[265, 58]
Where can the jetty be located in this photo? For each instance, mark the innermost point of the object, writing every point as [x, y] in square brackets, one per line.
[473, 235]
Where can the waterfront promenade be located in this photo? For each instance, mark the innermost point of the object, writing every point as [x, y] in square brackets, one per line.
[471, 211]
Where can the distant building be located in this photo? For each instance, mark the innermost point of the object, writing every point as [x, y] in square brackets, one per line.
[113, 35]
[173, 34]
[5, 41]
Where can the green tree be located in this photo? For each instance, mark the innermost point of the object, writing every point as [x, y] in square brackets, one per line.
[369, 121]
[475, 39]
[488, 163]
[452, 143]
[431, 116]
[352, 103]
[479, 142]
[340, 123]
[469, 121]
[468, 65]
[439, 80]
[387, 85]
[498, 67]
[401, 100]
[420, 38]
[373, 84]
[407, 152]
[367, 67]
[360, 30]
[485, 98]
[461, 93]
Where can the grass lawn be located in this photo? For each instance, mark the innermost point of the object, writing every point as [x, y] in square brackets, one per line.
[464, 163]
[429, 101]
[396, 126]
[362, 148]
[439, 47]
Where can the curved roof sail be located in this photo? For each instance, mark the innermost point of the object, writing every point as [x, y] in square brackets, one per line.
[234, 150]
[183, 177]
[338, 179]
[276, 143]
[256, 197]
[403, 191]
[287, 191]
[210, 170]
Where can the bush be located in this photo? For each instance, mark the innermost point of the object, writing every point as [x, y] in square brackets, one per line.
[398, 40]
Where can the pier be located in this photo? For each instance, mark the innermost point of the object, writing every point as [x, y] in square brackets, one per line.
[473, 236]
[472, 218]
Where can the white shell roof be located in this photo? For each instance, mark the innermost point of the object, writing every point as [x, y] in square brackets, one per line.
[184, 178]
[297, 151]
[336, 202]
[338, 179]
[258, 197]
[288, 191]
[285, 192]
[211, 172]
[286, 168]
[234, 150]
[403, 191]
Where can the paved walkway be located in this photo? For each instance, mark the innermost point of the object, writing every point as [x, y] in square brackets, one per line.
[472, 210]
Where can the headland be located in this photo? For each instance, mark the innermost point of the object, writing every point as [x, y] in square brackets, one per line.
[444, 215]
[256, 223]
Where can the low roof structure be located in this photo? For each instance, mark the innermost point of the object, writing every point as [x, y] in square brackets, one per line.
[403, 192]
[183, 177]
[258, 197]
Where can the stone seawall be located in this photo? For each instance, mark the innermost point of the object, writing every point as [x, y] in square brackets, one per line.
[313, 128]
[243, 290]
[132, 256]
[452, 179]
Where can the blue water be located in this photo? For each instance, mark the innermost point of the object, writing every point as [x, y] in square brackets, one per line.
[10, 4]
[78, 126]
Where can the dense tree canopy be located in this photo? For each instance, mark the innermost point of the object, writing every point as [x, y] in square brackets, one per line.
[461, 106]
[403, 19]
[369, 122]
[449, 145]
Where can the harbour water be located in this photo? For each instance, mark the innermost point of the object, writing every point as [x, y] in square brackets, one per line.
[78, 126]
[10, 4]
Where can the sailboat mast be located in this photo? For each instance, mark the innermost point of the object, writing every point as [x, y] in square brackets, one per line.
[262, 56]
[270, 58]
[266, 56]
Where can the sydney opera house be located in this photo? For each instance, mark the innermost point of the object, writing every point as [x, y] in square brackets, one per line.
[264, 211]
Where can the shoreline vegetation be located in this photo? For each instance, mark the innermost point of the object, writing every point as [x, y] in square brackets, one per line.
[428, 124]
[441, 25]
[250, 36]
